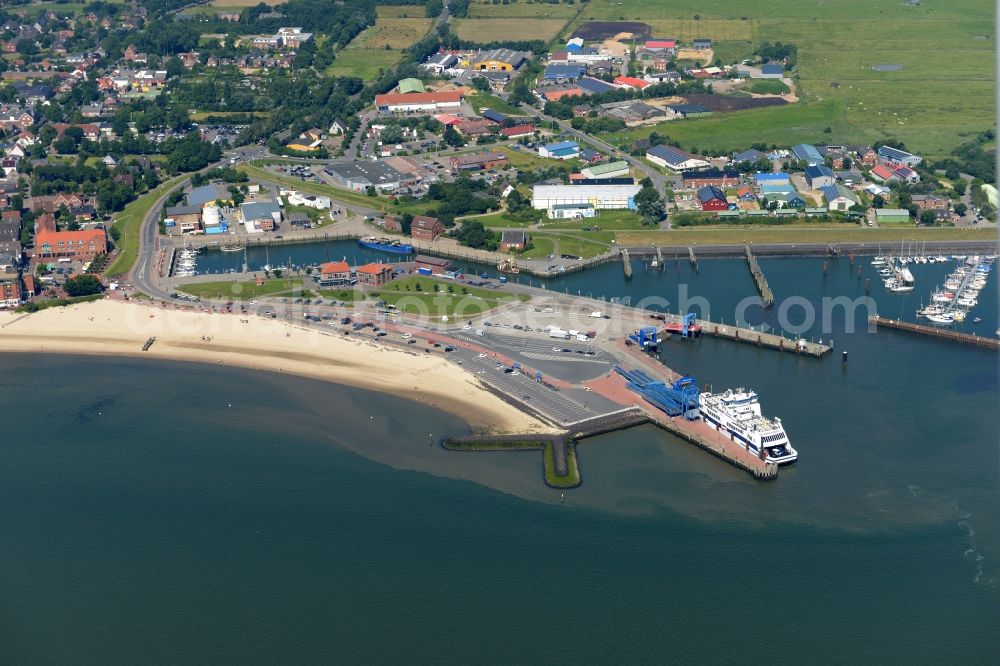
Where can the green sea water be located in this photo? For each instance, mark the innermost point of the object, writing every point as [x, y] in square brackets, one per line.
[181, 513]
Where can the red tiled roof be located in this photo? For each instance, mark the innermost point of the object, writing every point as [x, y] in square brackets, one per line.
[882, 172]
[374, 269]
[84, 236]
[660, 43]
[335, 267]
[518, 130]
[631, 82]
[554, 95]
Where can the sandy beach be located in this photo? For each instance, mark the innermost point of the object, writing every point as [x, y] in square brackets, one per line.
[114, 328]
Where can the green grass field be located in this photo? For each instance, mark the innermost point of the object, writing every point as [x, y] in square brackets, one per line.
[129, 224]
[241, 291]
[365, 64]
[481, 100]
[397, 33]
[783, 126]
[942, 96]
[489, 30]
[767, 87]
[416, 295]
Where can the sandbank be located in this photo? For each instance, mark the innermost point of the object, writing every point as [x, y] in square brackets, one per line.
[114, 328]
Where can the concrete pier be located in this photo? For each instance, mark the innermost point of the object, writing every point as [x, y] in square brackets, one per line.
[758, 277]
[762, 339]
[943, 333]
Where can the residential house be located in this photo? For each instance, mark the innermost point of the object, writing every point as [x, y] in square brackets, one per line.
[865, 154]
[84, 244]
[426, 228]
[335, 274]
[712, 198]
[374, 275]
[905, 174]
[513, 240]
[934, 202]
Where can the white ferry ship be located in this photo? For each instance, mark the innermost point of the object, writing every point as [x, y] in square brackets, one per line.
[736, 413]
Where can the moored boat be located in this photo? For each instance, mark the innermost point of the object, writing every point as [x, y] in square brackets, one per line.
[385, 245]
[737, 414]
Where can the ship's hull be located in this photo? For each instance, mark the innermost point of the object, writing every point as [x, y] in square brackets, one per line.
[719, 423]
[384, 247]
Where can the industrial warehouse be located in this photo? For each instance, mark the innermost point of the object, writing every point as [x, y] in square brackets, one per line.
[568, 201]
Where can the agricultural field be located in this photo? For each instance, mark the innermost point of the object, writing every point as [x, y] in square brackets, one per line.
[365, 64]
[942, 96]
[521, 10]
[397, 33]
[241, 4]
[485, 31]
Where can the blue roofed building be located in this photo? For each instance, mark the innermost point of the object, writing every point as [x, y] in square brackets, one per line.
[563, 72]
[819, 176]
[771, 71]
[494, 116]
[594, 86]
[807, 153]
[897, 156]
[838, 197]
[776, 188]
[751, 155]
[763, 179]
[563, 150]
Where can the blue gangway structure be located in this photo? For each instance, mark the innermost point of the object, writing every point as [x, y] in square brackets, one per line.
[677, 398]
[646, 337]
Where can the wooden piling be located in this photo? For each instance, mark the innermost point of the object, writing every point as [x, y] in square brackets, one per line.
[626, 264]
[758, 275]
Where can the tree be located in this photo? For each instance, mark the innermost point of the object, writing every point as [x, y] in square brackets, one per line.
[650, 205]
[928, 217]
[878, 201]
[406, 223]
[480, 83]
[433, 8]
[83, 285]
[960, 208]
[452, 138]
[515, 201]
